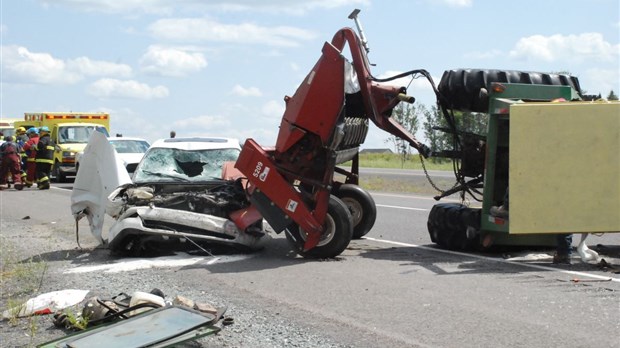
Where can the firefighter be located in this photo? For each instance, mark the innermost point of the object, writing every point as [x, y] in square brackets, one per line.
[21, 138]
[10, 163]
[30, 148]
[20, 135]
[44, 158]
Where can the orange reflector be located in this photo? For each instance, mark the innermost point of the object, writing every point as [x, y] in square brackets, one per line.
[498, 87]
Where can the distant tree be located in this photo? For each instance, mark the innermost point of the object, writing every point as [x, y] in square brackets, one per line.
[407, 116]
[438, 133]
[435, 139]
[474, 122]
[612, 95]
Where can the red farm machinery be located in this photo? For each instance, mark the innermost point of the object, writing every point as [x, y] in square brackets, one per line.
[293, 185]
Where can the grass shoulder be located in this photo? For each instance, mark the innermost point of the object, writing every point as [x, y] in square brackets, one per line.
[397, 161]
[398, 184]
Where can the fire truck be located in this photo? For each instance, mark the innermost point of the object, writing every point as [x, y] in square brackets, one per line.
[70, 131]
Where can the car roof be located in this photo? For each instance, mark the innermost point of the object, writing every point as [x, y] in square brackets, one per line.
[197, 143]
[126, 138]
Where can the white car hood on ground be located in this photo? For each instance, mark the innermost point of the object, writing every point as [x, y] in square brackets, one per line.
[101, 172]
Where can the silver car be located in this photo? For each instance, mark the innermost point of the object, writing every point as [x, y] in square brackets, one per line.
[183, 190]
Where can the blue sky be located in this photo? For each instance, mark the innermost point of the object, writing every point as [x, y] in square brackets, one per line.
[222, 67]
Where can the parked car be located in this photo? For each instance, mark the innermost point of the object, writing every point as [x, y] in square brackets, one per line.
[184, 189]
[130, 151]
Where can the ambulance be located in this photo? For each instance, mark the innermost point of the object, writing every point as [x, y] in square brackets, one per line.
[70, 131]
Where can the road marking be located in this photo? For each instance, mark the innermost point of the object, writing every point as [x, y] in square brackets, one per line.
[544, 268]
[398, 207]
[413, 196]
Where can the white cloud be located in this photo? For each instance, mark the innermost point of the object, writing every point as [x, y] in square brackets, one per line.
[129, 89]
[89, 67]
[129, 7]
[454, 3]
[204, 30]
[22, 66]
[134, 7]
[596, 80]
[578, 48]
[203, 122]
[273, 109]
[297, 7]
[246, 92]
[172, 61]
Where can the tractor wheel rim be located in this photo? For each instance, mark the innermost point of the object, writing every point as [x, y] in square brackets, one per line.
[355, 208]
[327, 235]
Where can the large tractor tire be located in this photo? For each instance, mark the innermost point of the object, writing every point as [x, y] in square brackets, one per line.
[448, 223]
[362, 207]
[336, 235]
[460, 88]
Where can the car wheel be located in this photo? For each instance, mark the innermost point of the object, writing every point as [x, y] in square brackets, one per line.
[57, 173]
[362, 207]
[337, 233]
[129, 246]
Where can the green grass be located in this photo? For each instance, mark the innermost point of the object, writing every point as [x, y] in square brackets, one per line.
[392, 160]
[381, 183]
[20, 279]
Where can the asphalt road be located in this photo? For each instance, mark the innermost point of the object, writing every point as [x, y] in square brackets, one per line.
[395, 288]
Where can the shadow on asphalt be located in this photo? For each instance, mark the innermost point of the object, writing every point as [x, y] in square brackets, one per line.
[472, 263]
[277, 253]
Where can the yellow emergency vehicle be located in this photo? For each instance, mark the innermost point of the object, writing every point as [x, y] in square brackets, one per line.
[70, 131]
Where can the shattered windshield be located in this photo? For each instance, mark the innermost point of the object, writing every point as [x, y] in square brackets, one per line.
[130, 146]
[176, 165]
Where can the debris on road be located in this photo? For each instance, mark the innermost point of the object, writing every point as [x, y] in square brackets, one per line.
[46, 303]
[144, 318]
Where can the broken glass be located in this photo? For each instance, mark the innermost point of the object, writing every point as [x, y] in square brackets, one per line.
[171, 165]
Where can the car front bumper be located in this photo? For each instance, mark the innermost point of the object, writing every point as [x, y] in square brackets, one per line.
[167, 224]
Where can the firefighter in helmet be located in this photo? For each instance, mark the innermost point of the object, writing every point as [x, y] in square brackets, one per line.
[30, 148]
[21, 138]
[10, 163]
[44, 158]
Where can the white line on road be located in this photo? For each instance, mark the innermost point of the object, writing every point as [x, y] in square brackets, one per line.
[544, 268]
[412, 196]
[398, 207]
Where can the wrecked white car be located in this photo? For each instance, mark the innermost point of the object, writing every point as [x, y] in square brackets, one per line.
[183, 190]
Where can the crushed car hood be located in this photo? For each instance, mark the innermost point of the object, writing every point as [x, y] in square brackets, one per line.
[101, 172]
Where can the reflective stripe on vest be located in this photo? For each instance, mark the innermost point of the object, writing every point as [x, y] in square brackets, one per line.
[44, 160]
[51, 148]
